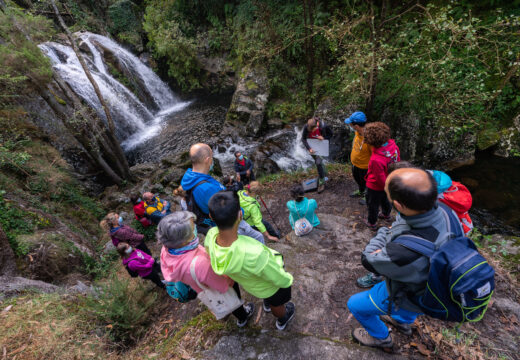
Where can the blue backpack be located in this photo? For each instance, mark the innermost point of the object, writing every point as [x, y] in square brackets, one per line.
[460, 281]
[180, 291]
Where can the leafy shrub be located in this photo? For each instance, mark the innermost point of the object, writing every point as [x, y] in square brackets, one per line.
[99, 267]
[15, 221]
[148, 232]
[71, 195]
[121, 306]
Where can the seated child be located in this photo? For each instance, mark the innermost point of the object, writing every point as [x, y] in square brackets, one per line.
[302, 207]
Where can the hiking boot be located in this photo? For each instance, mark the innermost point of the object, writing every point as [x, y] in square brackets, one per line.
[368, 280]
[356, 194]
[364, 338]
[372, 227]
[384, 217]
[281, 323]
[250, 309]
[266, 307]
[362, 201]
[321, 185]
[402, 328]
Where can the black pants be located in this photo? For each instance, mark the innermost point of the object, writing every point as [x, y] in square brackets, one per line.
[374, 200]
[142, 246]
[246, 180]
[318, 160]
[359, 177]
[239, 313]
[270, 229]
[154, 276]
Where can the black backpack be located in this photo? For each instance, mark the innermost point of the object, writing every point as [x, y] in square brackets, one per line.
[203, 223]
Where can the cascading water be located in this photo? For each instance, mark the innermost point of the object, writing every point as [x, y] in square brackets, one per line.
[135, 122]
[297, 157]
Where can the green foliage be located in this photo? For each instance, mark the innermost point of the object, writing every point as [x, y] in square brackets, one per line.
[72, 195]
[122, 306]
[12, 159]
[167, 40]
[148, 232]
[99, 267]
[125, 22]
[21, 61]
[14, 222]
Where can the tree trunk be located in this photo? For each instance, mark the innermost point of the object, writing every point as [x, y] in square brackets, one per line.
[111, 133]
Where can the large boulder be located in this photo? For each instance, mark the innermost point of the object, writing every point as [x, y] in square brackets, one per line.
[248, 105]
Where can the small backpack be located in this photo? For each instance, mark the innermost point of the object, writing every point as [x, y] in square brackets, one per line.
[203, 221]
[180, 291]
[459, 198]
[460, 281]
[302, 226]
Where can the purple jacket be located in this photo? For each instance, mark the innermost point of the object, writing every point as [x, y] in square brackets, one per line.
[126, 234]
[139, 262]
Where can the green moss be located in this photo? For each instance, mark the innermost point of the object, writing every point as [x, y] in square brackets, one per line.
[251, 85]
[487, 138]
[60, 100]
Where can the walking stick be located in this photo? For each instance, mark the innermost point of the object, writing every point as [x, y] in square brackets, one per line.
[271, 216]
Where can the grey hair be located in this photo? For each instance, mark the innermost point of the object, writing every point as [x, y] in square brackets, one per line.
[175, 229]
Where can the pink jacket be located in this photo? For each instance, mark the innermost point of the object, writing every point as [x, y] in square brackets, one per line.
[177, 268]
[140, 262]
[378, 165]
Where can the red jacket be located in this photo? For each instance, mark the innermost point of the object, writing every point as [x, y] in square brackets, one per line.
[378, 165]
[139, 212]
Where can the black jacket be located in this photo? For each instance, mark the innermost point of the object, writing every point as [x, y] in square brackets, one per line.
[325, 131]
[242, 169]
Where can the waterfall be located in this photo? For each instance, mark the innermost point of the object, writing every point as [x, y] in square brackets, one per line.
[137, 116]
[297, 157]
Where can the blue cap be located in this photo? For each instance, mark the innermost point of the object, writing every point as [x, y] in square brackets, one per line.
[357, 117]
[443, 181]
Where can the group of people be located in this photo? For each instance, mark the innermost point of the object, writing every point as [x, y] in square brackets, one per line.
[234, 249]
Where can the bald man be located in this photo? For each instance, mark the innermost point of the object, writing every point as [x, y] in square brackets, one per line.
[202, 185]
[413, 193]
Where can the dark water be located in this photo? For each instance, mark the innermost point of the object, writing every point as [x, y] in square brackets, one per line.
[495, 185]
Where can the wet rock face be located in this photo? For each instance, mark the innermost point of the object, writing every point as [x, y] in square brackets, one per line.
[247, 108]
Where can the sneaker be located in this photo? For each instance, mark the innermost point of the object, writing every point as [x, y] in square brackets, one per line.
[364, 338]
[384, 217]
[326, 178]
[321, 185]
[362, 201]
[281, 323]
[356, 193]
[368, 280]
[402, 328]
[371, 226]
[266, 307]
[250, 309]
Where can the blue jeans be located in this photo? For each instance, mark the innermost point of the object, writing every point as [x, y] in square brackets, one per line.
[366, 307]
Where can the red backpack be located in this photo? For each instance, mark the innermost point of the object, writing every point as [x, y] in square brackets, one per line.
[459, 199]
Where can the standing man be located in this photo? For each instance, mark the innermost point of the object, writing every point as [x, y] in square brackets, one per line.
[360, 154]
[317, 129]
[244, 168]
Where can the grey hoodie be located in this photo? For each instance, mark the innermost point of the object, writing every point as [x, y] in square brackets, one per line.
[406, 271]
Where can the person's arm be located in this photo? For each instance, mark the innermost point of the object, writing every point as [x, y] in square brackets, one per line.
[275, 273]
[305, 133]
[207, 277]
[249, 164]
[256, 217]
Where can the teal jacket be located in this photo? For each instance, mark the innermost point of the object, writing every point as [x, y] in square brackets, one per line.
[305, 208]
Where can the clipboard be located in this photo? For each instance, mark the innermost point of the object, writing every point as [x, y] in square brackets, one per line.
[320, 147]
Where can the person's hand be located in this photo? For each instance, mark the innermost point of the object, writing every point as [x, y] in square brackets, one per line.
[272, 238]
[238, 178]
[320, 138]
[311, 151]
[163, 212]
[248, 173]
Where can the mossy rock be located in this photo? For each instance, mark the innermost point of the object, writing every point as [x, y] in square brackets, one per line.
[487, 138]
[251, 85]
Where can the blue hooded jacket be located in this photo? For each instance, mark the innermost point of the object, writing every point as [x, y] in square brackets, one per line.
[203, 192]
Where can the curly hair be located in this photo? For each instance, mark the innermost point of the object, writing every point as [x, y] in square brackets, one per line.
[376, 134]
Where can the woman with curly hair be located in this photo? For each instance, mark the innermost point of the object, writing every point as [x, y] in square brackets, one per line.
[377, 134]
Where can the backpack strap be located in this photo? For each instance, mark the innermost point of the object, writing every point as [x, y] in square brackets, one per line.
[194, 276]
[417, 244]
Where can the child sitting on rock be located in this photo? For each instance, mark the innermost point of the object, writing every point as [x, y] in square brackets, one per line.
[139, 263]
[302, 207]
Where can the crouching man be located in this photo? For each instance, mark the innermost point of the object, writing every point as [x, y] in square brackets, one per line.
[413, 193]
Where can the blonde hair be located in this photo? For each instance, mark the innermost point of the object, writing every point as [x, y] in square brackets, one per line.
[179, 192]
[107, 223]
[254, 187]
